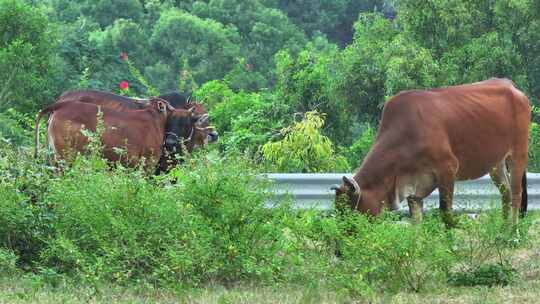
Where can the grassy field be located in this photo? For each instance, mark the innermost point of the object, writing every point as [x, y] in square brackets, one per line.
[526, 289]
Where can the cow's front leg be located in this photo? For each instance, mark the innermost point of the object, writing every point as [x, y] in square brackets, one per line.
[415, 208]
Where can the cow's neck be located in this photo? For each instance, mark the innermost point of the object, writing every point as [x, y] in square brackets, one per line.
[378, 171]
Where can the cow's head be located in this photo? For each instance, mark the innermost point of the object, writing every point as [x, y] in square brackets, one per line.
[179, 130]
[204, 133]
[349, 194]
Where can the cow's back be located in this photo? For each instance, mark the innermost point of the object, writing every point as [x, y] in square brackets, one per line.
[478, 123]
[140, 132]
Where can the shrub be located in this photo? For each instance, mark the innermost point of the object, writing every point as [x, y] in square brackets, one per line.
[120, 226]
[489, 275]
[304, 149]
[393, 256]
[488, 240]
[8, 261]
[24, 218]
[534, 145]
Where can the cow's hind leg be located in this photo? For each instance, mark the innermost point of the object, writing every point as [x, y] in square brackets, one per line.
[499, 176]
[519, 167]
[415, 208]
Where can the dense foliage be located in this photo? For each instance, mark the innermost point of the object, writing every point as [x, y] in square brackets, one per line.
[258, 64]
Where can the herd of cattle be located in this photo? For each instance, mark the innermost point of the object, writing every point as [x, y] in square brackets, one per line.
[427, 139]
[155, 131]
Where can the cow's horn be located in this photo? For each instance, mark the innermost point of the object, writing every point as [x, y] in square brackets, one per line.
[203, 119]
[161, 104]
[351, 184]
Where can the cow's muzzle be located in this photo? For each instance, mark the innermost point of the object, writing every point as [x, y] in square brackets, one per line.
[171, 142]
[213, 136]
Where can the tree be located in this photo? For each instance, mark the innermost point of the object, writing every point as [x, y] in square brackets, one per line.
[263, 32]
[104, 12]
[379, 63]
[27, 63]
[334, 18]
[209, 47]
[304, 149]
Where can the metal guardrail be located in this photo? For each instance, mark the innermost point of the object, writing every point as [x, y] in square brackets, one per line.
[313, 191]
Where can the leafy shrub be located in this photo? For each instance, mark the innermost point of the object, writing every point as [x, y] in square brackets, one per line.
[246, 120]
[24, 217]
[486, 241]
[489, 275]
[208, 221]
[304, 148]
[393, 256]
[534, 145]
[119, 226]
[15, 127]
[8, 261]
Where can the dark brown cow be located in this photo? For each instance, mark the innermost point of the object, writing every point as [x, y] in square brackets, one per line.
[140, 132]
[430, 139]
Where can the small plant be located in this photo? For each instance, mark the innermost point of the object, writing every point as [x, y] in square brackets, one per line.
[485, 275]
[8, 262]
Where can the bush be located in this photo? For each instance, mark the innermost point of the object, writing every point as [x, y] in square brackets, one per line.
[116, 225]
[208, 221]
[8, 261]
[393, 256]
[488, 240]
[489, 275]
[25, 218]
[304, 149]
[534, 145]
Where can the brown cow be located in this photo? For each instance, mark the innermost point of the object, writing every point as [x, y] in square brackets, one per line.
[140, 132]
[204, 133]
[429, 139]
[199, 137]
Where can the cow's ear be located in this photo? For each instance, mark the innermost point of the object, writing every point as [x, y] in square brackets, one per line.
[161, 105]
[351, 185]
[201, 120]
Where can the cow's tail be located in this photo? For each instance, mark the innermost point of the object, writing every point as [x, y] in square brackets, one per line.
[523, 209]
[41, 113]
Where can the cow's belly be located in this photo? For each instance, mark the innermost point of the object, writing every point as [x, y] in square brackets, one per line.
[476, 167]
[419, 185]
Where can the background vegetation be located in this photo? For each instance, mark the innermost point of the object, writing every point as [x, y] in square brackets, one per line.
[258, 65]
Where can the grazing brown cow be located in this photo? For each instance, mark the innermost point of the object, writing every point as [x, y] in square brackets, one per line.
[429, 139]
[201, 135]
[140, 132]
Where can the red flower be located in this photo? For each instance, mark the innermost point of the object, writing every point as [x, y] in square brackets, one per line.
[123, 56]
[124, 85]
